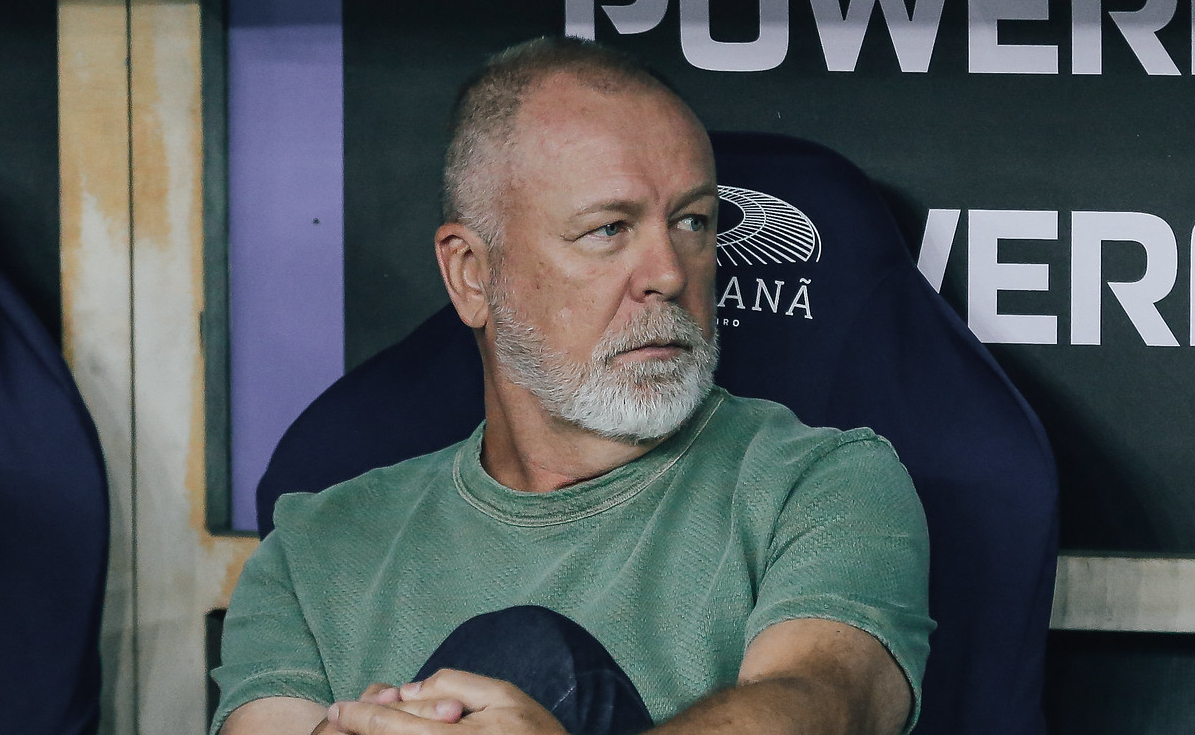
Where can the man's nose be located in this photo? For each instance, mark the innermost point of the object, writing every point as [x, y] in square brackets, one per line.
[659, 270]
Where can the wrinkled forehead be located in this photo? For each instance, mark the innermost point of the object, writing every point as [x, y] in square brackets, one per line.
[569, 132]
[565, 116]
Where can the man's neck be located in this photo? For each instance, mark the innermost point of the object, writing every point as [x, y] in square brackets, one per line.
[527, 449]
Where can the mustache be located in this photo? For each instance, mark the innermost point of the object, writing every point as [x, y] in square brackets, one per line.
[665, 325]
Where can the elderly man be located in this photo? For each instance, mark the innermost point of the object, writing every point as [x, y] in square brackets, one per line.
[707, 563]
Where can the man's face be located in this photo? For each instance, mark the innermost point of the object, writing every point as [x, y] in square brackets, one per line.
[602, 303]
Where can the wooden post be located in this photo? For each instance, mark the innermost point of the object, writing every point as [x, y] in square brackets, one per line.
[132, 253]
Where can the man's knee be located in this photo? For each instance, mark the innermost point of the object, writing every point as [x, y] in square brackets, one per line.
[526, 635]
[552, 659]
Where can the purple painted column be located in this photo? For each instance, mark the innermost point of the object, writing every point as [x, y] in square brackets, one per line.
[286, 223]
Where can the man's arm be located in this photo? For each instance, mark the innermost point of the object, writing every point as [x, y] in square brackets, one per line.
[804, 677]
[292, 716]
[271, 675]
[274, 716]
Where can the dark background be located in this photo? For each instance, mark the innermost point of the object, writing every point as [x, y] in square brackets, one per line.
[29, 155]
[1118, 414]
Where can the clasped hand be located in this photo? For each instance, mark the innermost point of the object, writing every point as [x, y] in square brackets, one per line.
[448, 702]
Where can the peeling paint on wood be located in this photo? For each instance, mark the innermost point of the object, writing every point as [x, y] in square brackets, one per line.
[132, 292]
[96, 297]
[183, 571]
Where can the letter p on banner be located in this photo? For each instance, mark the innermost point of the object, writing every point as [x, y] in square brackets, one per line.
[580, 17]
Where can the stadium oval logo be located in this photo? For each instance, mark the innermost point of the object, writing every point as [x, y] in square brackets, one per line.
[772, 231]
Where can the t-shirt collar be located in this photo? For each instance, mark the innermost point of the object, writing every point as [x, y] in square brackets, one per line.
[584, 499]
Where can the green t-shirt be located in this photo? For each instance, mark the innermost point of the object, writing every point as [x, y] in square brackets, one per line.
[674, 562]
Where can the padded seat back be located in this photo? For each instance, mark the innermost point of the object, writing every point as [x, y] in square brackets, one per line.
[870, 343]
[54, 500]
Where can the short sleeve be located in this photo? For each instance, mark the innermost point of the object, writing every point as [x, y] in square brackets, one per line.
[851, 545]
[267, 649]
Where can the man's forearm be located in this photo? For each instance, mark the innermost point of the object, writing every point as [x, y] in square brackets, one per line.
[779, 706]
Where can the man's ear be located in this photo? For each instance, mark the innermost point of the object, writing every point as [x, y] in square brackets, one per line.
[464, 266]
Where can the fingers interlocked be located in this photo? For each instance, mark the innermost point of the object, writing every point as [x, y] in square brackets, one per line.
[443, 704]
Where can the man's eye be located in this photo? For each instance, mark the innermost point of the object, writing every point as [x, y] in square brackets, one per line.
[693, 222]
[610, 230]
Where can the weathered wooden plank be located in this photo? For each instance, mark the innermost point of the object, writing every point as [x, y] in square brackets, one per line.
[97, 296]
[183, 571]
[1141, 594]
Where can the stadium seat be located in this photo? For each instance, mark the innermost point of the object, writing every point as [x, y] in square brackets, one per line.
[54, 501]
[821, 308]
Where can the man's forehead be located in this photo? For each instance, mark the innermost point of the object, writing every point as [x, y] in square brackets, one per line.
[564, 98]
[564, 117]
[576, 146]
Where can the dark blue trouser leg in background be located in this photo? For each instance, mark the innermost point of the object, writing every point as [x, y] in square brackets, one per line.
[554, 660]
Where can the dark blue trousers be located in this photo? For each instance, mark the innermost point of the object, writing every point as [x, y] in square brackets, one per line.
[554, 660]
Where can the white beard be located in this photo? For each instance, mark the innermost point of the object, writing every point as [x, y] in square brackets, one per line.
[632, 401]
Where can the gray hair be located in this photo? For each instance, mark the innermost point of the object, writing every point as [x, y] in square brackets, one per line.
[483, 119]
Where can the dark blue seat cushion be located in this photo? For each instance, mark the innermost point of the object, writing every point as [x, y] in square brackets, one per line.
[412, 398]
[54, 499]
[882, 349]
